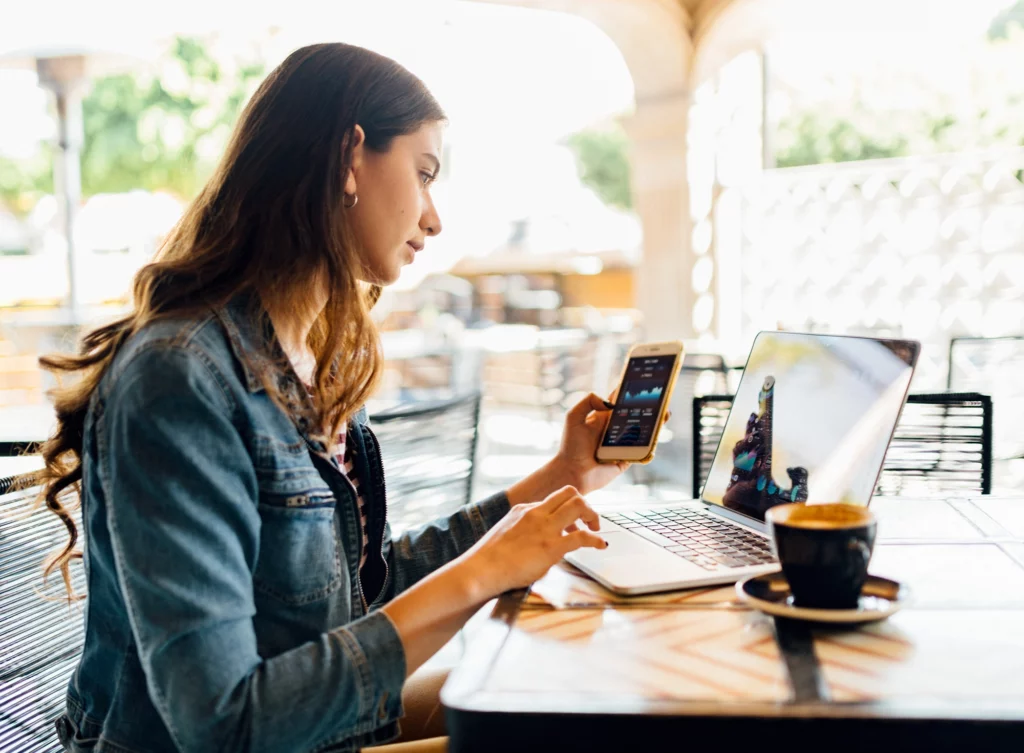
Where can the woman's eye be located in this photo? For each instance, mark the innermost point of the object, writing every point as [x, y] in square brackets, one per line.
[427, 178]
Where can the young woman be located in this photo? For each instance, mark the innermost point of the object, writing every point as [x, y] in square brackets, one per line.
[244, 591]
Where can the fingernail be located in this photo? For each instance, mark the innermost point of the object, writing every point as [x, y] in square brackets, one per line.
[605, 543]
[609, 405]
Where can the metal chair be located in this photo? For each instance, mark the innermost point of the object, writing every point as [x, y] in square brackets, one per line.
[428, 450]
[942, 444]
[993, 365]
[40, 638]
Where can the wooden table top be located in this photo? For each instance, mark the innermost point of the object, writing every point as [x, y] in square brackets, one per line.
[568, 648]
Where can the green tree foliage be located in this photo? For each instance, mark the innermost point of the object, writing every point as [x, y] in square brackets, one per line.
[1005, 20]
[163, 131]
[811, 139]
[602, 158]
[24, 181]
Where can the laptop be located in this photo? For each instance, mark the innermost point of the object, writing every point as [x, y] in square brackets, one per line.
[811, 421]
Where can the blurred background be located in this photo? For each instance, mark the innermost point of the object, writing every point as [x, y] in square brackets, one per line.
[615, 171]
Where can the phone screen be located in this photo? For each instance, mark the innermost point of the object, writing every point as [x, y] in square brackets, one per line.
[638, 404]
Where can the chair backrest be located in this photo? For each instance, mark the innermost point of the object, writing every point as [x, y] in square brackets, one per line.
[942, 444]
[428, 450]
[40, 639]
[993, 366]
[710, 413]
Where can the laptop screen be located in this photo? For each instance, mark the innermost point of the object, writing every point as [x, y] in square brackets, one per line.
[810, 422]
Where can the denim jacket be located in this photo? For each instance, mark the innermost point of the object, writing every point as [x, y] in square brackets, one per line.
[225, 609]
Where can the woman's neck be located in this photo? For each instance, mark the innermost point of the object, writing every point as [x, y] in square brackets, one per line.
[293, 333]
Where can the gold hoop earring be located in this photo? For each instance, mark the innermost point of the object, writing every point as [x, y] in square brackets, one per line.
[344, 201]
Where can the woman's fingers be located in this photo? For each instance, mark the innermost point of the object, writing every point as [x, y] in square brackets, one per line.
[578, 413]
[557, 499]
[573, 509]
[574, 541]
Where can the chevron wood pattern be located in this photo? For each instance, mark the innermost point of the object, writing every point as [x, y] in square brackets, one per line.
[656, 654]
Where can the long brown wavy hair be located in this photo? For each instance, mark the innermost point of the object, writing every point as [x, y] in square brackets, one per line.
[270, 221]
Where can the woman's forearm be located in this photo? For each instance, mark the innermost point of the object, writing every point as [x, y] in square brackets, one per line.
[427, 615]
[546, 480]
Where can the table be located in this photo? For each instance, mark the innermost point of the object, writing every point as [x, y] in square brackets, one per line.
[570, 666]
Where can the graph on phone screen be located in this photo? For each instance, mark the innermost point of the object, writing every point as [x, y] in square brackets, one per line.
[638, 405]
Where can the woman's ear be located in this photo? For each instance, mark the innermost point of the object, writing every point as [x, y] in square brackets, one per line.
[358, 148]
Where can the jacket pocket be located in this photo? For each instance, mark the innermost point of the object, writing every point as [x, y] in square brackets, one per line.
[300, 557]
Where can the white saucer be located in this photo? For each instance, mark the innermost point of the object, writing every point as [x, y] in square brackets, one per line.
[770, 594]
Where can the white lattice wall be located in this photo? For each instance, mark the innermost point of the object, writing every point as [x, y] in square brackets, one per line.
[926, 248]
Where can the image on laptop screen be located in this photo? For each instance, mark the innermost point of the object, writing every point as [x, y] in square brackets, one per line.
[810, 422]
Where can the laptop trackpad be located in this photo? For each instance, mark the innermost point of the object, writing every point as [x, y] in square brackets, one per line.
[630, 561]
[623, 543]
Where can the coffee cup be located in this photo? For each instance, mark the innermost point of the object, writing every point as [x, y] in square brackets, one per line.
[824, 550]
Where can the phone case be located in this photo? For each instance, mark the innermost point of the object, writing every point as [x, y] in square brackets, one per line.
[661, 416]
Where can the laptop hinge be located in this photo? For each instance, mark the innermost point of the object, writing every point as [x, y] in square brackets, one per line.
[736, 517]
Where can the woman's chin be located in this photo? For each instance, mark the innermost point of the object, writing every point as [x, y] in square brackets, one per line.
[390, 276]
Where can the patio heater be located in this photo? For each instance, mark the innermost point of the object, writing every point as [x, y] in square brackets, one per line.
[65, 71]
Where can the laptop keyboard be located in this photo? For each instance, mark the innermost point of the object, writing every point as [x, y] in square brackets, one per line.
[698, 537]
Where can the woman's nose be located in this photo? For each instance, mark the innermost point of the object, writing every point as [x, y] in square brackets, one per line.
[430, 222]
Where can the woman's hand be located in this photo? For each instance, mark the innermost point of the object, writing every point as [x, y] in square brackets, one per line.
[575, 463]
[584, 424]
[518, 550]
[529, 540]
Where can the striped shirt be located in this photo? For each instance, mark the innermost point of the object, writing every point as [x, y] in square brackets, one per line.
[344, 453]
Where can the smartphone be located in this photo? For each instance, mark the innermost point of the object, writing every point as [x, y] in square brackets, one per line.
[641, 402]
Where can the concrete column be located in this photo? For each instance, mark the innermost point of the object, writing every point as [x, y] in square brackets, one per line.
[658, 157]
[65, 77]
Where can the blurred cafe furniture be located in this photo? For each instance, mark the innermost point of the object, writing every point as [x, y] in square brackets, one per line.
[428, 451]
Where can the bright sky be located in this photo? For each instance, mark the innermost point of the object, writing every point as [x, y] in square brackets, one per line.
[503, 74]
[920, 36]
[506, 75]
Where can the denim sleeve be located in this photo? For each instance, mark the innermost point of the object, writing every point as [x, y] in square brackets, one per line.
[182, 512]
[415, 554]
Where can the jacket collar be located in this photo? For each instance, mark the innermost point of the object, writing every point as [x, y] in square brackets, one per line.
[255, 345]
[252, 338]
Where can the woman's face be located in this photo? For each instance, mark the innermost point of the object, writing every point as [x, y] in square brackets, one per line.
[394, 213]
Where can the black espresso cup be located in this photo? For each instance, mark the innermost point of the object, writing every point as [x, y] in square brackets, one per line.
[824, 551]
